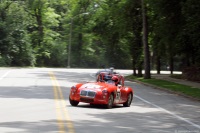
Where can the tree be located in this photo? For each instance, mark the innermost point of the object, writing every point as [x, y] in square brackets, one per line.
[147, 74]
[15, 44]
[166, 26]
[189, 36]
[43, 29]
[106, 32]
[111, 29]
[132, 33]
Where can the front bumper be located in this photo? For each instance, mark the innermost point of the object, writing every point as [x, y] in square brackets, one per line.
[98, 98]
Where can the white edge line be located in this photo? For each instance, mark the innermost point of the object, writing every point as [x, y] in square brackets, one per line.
[4, 75]
[168, 112]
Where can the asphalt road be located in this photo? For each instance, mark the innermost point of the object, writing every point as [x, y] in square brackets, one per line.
[36, 101]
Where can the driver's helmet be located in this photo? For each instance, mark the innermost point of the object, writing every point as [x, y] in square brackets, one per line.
[115, 79]
[111, 70]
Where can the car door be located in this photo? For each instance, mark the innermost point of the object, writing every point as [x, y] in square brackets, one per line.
[123, 94]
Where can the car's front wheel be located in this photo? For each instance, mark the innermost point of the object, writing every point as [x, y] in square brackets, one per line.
[129, 100]
[110, 102]
[73, 102]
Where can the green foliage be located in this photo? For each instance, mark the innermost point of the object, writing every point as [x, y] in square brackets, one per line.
[174, 30]
[16, 48]
[190, 35]
[109, 23]
[3, 61]
[58, 54]
[106, 32]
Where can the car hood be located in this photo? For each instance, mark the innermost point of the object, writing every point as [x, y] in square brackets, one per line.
[95, 86]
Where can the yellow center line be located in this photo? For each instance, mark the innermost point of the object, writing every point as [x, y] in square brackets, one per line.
[61, 107]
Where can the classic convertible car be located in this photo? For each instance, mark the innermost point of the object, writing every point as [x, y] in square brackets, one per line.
[108, 90]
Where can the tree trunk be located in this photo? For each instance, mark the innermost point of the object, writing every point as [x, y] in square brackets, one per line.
[147, 74]
[158, 64]
[134, 67]
[38, 15]
[171, 64]
[140, 70]
[80, 43]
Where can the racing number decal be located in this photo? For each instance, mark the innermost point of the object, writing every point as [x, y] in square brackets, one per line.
[118, 94]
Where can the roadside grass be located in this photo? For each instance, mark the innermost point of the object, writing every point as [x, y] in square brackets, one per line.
[175, 87]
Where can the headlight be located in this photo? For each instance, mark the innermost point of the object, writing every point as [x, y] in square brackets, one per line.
[105, 92]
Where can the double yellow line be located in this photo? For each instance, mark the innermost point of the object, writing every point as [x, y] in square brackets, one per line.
[63, 118]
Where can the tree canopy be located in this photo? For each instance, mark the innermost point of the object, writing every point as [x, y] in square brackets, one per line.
[93, 33]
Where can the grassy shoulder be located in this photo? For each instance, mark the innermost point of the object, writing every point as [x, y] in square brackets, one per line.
[175, 87]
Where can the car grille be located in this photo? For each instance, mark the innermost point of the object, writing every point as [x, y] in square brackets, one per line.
[88, 100]
[88, 93]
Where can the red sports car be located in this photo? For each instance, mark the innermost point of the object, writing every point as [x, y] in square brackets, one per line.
[108, 90]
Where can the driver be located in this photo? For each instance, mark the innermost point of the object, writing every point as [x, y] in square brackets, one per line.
[116, 80]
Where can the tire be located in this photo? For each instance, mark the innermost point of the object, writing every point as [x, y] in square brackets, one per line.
[110, 102]
[91, 104]
[129, 100]
[73, 102]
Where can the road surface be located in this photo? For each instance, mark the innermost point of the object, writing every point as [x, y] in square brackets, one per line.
[36, 101]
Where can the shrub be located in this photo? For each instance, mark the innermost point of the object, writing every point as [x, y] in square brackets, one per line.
[191, 73]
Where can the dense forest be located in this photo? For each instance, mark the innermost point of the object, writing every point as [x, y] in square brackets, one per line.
[92, 33]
